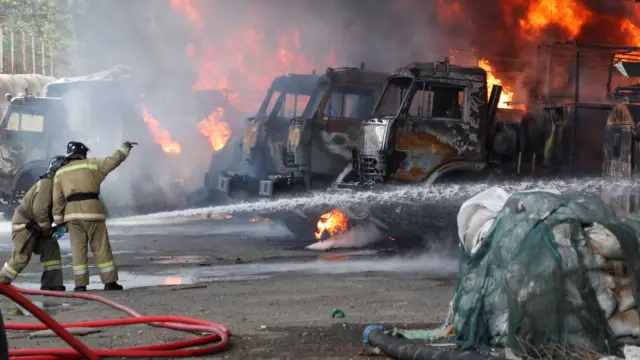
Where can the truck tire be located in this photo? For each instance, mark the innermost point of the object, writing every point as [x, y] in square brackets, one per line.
[301, 228]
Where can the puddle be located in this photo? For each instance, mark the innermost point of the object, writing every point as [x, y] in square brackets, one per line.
[48, 306]
[431, 265]
[255, 227]
[186, 259]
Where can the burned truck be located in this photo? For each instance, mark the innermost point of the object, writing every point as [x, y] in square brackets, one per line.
[435, 123]
[35, 128]
[339, 100]
[320, 142]
[264, 138]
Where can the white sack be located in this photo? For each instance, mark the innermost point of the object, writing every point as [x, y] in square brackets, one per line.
[625, 323]
[476, 215]
[604, 242]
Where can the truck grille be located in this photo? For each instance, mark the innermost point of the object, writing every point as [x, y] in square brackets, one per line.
[290, 160]
[368, 165]
[371, 168]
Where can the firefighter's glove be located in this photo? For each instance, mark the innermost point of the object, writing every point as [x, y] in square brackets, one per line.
[129, 144]
[59, 231]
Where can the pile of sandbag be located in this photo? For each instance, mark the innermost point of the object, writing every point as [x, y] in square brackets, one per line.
[541, 269]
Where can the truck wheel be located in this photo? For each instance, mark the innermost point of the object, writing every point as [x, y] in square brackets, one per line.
[300, 228]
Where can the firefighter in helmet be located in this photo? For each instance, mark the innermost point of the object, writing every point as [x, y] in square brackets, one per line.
[32, 230]
[76, 203]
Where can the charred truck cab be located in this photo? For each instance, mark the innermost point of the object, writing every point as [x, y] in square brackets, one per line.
[320, 143]
[26, 132]
[266, 134]
[431, 119]
[430, 116]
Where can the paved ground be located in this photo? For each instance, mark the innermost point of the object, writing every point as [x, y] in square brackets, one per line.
[275, 296]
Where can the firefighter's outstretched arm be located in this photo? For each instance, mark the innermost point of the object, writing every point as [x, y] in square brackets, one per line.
[58, 202]
[107, 165]
[42, 205]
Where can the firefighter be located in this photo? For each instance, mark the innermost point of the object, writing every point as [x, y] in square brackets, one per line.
[76, 203]
[32, 230]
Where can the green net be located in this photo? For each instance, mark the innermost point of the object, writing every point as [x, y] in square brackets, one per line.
[532, 283]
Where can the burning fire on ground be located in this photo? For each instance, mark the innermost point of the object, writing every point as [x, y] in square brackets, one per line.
[331, 223]
[216, 130]
[160, 135]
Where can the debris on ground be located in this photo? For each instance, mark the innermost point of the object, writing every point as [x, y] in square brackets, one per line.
[337, 314]
[73, 331]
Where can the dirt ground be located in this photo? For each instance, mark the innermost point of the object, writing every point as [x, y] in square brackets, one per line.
[276, 297]
[287, 317]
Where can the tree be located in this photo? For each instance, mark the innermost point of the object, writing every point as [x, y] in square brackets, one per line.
[46, 21]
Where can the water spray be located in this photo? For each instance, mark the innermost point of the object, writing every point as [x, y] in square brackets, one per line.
[414, 194]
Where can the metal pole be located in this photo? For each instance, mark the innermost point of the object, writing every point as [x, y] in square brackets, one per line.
[33, 52]
[44, 60]
[547, 85]
[24, 51]
[574, 125]
[1, 48]
[12, 54]
[51, 58]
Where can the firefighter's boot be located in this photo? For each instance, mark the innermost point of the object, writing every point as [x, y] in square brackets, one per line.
[113, 286]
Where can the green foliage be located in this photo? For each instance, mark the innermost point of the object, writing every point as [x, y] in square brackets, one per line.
[47, 20]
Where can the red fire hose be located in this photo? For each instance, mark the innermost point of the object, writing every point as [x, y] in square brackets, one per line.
[218, 334]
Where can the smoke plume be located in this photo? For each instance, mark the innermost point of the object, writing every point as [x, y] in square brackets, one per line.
[192, 57]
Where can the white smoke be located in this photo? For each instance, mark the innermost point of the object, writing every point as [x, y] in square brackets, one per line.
[356, 237]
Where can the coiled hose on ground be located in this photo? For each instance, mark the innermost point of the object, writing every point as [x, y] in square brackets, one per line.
[217, 338]
[403, 349]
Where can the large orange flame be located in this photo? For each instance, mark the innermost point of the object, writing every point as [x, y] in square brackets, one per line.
[215, 129]
[507, 94]
[244, 61]
[160, 135]
[332, 223]
[632, 31]
[570, 15]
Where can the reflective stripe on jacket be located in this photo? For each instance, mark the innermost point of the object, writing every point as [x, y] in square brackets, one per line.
[37, 203]
[83, 177]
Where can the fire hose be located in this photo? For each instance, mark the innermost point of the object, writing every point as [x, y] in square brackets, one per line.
[217, 338]
[404, 349]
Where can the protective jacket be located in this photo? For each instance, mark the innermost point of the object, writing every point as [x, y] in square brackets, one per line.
[35, 205]
[31, 233]
[76, 187]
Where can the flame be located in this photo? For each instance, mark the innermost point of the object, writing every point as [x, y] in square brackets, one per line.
[215, 129]
[172, 280]
[192, 13]
[243, 62]
[632, 31]
[570, 15]
[507, 94]
[332, 222]
[160, 135]
[450, 10]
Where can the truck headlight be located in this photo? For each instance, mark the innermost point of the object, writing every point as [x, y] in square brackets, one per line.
[294, 137]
